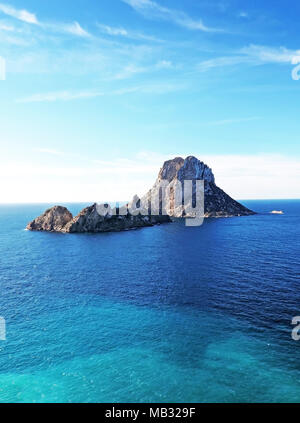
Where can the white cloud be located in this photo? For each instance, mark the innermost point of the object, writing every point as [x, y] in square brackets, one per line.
[22, 15]
[122, 32]
[131, 70]
[164, 64]
[151, 9]
[74, 29]
[60, 96]
[265, 54]
[252, 55]
[262, 176]
[4, 27]
[49, 151]
[30, 18]
[154, 89]
[231, 121]
[112, 30]
[69, 28]
[220, 62]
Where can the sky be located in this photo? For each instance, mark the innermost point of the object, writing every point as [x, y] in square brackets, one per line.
[96, 94]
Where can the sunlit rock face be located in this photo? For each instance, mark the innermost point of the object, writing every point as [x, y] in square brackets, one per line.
[53, 220]
[216, 202]
[193, 168]
[170, 169]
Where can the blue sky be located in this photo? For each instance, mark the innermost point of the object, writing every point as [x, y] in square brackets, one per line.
[98, 93]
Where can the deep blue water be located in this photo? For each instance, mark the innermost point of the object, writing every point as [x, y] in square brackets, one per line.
[163, 314]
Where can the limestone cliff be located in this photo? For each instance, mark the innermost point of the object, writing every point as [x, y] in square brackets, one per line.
[216, 202]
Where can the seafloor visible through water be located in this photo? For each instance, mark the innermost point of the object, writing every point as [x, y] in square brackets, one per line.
[162, 314]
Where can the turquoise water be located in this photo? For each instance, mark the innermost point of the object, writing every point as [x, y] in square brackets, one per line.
[163, 314]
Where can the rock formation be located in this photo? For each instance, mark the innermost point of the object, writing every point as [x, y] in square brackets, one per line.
[216, 204]
[59, 219]
[53, 220]
[89, 220]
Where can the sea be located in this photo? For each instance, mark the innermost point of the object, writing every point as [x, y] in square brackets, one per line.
[164, 314]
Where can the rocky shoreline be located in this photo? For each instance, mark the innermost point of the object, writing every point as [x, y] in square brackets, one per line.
[59, 219]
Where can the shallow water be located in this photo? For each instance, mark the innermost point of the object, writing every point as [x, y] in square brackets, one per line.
[162, 314]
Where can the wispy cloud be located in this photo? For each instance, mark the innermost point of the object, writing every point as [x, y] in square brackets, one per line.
[154, 89]
[161, 88]
[49, 151]
[49, 50]
[217, 62]
[232, 121]
[253, 55]
[131, 70]
[22, 15]
[122, 32]
[151, 9]
[4, 27]
[60, 96]
[75, 29]
[30, 18]
[243, 15]
[113, 30]
[266, 54]
[69, 28]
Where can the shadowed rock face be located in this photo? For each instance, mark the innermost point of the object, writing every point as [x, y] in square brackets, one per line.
[53, 220]
[59, 219]
[217, 204]
[170, 169]
[89, 220]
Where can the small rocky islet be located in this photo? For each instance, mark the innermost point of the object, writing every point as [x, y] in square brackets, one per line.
[216, 204]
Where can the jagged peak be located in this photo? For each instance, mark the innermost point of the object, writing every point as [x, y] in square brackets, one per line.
[170, 168]
[184, 169]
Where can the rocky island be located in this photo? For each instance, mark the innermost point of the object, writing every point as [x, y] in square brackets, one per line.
[216, 204]
[59, 219]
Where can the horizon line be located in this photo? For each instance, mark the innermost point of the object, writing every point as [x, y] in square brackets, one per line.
[125, 201]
